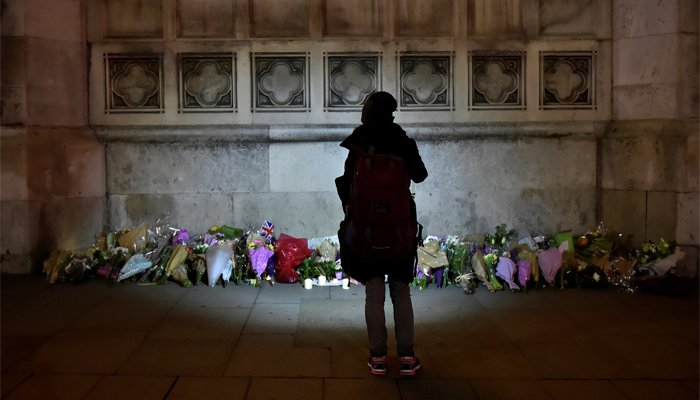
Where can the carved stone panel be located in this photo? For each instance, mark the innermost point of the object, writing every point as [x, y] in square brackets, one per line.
[207, 82]
[134, 83]
[279, 18]
[352, 18]
[280, 82]
[497, 80]
[426, 81]
[416, 18]
[495, 17]
[568, 17]
[134, 18]
[567, 80]
[350, 79]
[212, 18]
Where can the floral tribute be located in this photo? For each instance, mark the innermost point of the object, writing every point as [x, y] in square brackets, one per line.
[498, 261]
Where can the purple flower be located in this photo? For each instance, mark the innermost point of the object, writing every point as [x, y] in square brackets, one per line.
[181, 237]
[209, 240]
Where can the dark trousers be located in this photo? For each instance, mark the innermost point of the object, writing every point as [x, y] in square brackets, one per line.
[400, 293]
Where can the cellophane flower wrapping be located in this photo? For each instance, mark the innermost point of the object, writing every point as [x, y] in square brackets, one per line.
[259, 258]
[76, 270]
[217, 258]
[491, 261]
[136, 264]
[134, 240]
[290, 253]
[549, 261]
[181, 237]
[524, 271]
[506, 270]
[226, 273]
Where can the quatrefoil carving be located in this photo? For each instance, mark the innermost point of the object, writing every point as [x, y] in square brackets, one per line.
[135, 84]
[496, 81]
[281, 83]
[207, 83]
[425, 82]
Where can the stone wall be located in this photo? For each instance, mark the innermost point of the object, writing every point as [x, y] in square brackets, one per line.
[505, 135]
[53, 172]
[649, 175]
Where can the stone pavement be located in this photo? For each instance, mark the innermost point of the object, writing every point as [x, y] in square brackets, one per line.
[125, 341]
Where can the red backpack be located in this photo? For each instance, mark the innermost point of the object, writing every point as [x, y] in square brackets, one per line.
[380, 209]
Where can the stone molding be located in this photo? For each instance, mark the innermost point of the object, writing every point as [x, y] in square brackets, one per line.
[338, 132]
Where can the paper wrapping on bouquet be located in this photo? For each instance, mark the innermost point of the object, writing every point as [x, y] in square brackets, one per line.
[52, 262]
[252, 237]
[524, 271]
[135, 265]
[199, 264]
[180, 275]
[75, 271]
[259, 258]
[430, 256]
[134, 240]
[506, 270]
[564, 241]
[217, 257]
[549, 261]
[327, 250]
[479, 267]
[661, 266]
[314, 243]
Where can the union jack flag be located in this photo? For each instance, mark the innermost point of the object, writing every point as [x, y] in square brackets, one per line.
[267, 229]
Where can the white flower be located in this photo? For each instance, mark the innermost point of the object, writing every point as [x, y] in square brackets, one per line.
[596, 277]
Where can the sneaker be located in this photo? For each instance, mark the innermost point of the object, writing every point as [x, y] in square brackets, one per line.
[409, 366]
[377, 365]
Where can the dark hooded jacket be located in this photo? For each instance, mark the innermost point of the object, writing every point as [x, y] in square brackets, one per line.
[385, 137]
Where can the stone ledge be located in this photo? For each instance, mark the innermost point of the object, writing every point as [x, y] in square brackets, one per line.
[338, 132]
[652, 127]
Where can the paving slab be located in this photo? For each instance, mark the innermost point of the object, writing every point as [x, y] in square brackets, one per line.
[449, 325]
[333, 323]
[582, 390]
[652, 390]
[134, 292]
[123, 316]
[490, 389]
[14, 289]
[91, 291]
[274, 356]
[40, 320]
[55, 386]
[436, 389]
[179, 357]
[352, 363]
[231, 296]
[285, 389]
[273, 318]
[114, 387]
[579, 361]
[353, 389]
[290, 293]
[512, 301]
[614, 320]
[82, 352]
[16, 348]
[576, 299]
[10, 380]
[657, 357]
[187, 388]
[540, 326]
[354, 292]
[482, 363]
[201, 323]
